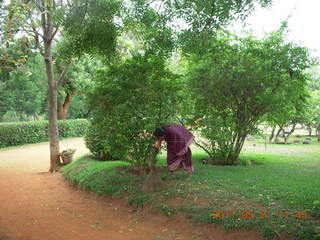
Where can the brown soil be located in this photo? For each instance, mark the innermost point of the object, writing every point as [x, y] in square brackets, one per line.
[36, 205]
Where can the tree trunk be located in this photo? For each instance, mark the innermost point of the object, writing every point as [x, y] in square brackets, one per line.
[310, 131]
[237, 147]
[36, 117]
[272, 134]
[64, 108]
[318, 134]
[60, 109]
[277, 135]
[47, 26]
[286, 137]
[283, 133]
[52, 112]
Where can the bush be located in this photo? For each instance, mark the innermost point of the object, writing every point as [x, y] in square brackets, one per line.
[129, 101]
[236, 84]
[97, 142]
[18, 133]
[72, 127]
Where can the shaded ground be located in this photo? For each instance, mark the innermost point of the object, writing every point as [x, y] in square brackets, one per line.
[36, 205]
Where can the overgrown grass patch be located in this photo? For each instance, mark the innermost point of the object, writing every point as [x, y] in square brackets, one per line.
[166, 210]
[278, 195]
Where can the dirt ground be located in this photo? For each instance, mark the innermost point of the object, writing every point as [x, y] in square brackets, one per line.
[36, 205]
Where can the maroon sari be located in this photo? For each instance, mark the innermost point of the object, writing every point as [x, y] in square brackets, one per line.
[178, 140]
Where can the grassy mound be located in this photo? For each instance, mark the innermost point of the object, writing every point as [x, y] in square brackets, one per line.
[278, 195]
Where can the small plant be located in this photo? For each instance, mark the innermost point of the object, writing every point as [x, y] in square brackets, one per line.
[166, 210]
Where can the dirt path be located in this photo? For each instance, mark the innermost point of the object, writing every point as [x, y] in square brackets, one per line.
[34, 158]
[36, 205]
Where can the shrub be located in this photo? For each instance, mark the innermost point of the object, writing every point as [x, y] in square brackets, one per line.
[238, 82]
[18, 133]
[72, 127]
[129, 101]
[98, 144]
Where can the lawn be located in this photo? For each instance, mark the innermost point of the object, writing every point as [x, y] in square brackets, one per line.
[276, 190]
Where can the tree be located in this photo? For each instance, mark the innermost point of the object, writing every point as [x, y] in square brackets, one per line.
[25, 92]
[314, 81]
[288, 115]
[313, 87]
[72, 93]
[151, 24]
[188, 20]
[43, 20]
[237, 82]
[130, 99]
[17, 64]
[290, 112]
[314, 112]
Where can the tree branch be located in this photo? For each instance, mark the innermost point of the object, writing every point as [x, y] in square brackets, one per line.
[32, 30]
[204, 149]
[63, 75]
[44, 25]
[54, 33]
[40, 7]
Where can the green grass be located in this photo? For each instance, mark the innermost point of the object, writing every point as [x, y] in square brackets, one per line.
[276, 182]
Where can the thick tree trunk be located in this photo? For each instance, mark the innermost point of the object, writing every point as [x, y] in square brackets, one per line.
[64, 108]
[318, 134]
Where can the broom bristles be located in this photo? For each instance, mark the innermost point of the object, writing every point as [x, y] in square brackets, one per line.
[153, 182]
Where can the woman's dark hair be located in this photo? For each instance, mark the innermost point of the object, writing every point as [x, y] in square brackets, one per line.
[159, 132]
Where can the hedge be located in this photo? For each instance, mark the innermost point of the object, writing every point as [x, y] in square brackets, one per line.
[18, 133]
